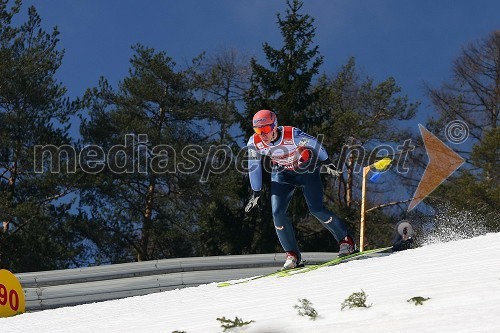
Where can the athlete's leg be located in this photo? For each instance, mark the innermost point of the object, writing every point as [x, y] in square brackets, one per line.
[313, 192]
[281, 194]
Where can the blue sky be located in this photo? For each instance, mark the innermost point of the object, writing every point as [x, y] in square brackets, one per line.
[413, 41]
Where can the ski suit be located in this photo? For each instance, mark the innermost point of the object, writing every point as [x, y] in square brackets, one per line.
[294, 155]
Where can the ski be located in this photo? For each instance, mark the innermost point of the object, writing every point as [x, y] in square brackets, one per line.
[305, 269]
[277, 273]
[336, 261]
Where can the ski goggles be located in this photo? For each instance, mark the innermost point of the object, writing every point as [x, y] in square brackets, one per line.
[264, 129]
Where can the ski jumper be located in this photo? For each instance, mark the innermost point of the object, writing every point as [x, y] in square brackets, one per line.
[294, 155]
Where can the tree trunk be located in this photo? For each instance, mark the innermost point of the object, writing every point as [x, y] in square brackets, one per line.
[350, 171]
[147, 222]
[10, 194]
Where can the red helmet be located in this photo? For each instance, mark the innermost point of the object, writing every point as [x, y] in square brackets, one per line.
[263, 118]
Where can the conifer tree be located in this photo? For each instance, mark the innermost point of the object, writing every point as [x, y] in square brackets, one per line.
[35, 203]
[145, 205]
[284, 85]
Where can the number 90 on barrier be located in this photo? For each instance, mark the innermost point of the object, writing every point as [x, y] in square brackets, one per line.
[12, 301]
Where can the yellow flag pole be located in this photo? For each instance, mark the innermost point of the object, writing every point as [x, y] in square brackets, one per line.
[363, 209]
[380, 165]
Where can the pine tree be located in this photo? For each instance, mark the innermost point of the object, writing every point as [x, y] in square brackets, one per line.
[145, 206]
[284, 87]
[35, 202]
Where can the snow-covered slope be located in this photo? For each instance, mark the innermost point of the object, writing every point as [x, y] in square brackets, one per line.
[461, 278]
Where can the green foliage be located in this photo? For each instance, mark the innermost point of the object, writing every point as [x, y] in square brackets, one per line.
[357, 114]
[150, 212]
[418, 300]
[284, 87]
[229, 323]
[222, 226]
[34, 205]
[352, 106]
[486, 186]
[355, 300]
[306, 309]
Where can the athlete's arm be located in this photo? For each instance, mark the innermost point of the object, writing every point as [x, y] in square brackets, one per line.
[303, 139]
[254, 166]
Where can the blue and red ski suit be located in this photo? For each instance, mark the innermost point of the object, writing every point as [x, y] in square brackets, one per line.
[294, 155]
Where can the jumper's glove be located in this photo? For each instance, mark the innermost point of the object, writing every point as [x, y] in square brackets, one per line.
[330, 168]
[254, 201]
